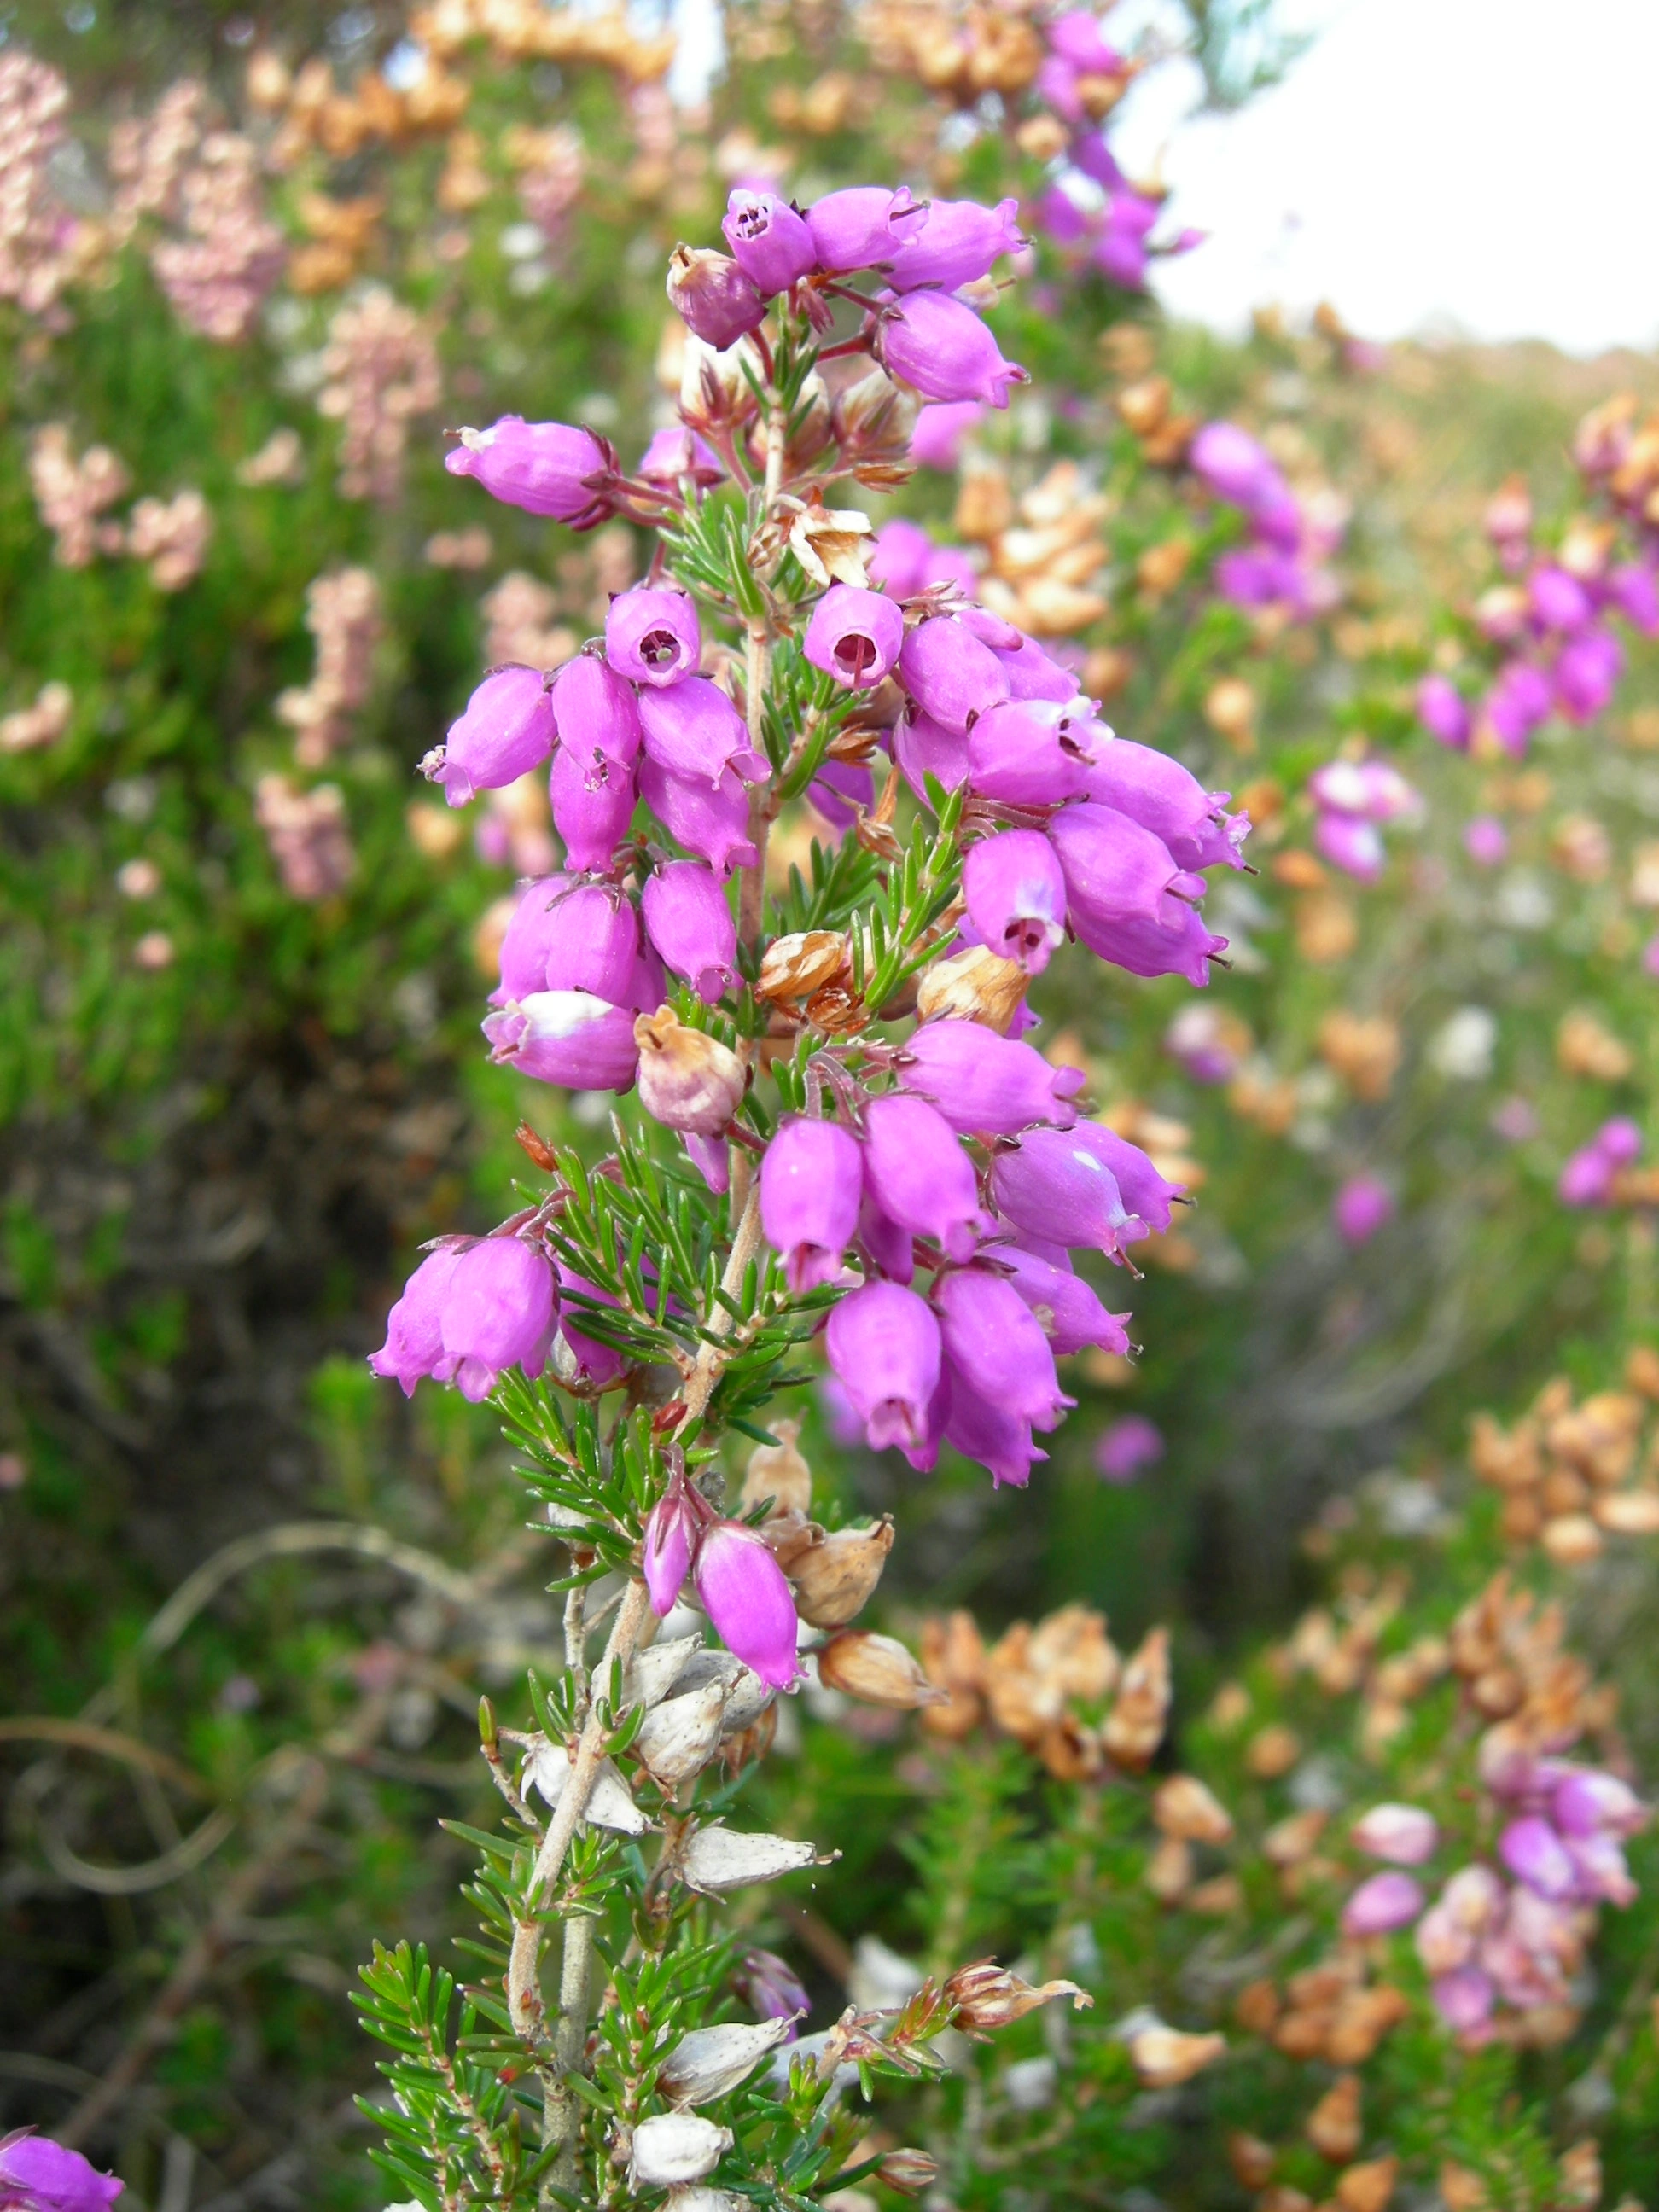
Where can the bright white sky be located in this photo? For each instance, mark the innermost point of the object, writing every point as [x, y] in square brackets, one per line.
[1490, 167]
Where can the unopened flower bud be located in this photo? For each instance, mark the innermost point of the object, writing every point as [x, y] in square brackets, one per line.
[877, 1670]
[710, 2062]
[975, 986]
[1183, 1806]
[910, 2171]
[718, 302]
[675, 2146]
[834, 1580]
[688, 1081]
[671, 1535]
[985, 1996]
[714, 393]
[874, 419]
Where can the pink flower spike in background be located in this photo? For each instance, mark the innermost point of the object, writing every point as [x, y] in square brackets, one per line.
[1127, 1447]
[1361, 1206]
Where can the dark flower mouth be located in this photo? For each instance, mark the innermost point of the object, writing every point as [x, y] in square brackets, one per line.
[658, 648]
[753, 223]
[855, 654]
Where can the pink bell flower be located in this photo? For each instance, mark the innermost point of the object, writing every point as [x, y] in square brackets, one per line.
[595, 710]
[693, 730]
[1069, 1311]
[546, 468]
[570, 1038]
[949, 673]
[770, 241]
[748, 1599]
[984, 1084]
[854, 635]
[1027, 753]
[569, 937]
[920, 1176]
[652, 636]
[498, 1312]
[811, 1182]
[39, 2176]
[992, 1337]
[1379, 1906]
[960, 242]
[863, 227]
[592, 797]
[1060, 1189]
[505, 731]
[939, 346]
[691, 926]
[884, 1344]
[414, 1343]
[711, 821]
[1016, 894]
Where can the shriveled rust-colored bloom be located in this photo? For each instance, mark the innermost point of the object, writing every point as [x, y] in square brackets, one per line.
[1163, 2058]
[1184, 1807]
[877, 1670]
[794, 967]
[985, 1996]
[688, 1081]
[975, 986]
[1134, 1727]
[835, 1580]
[1336, 2126]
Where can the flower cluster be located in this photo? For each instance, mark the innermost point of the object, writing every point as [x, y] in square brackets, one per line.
[1565, 1471]
[26, 728]
[343, 613]
[380, 371]
[1075, 830]
[1289, 539]
[1543, 638]
[1353, 800]
[308, 834]
[1091, 210]
[173, 536]
[1062, 1689]
[1590, 1176]
[219, 272]
[38, 236]
[70, 494]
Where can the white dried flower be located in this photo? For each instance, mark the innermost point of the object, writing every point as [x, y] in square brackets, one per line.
[675, 2146]
[718, 1858]
[678, 1737]
[710, 2062]
[547, 1769]
[653, 1673]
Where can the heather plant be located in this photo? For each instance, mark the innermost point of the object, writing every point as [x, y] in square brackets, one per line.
[773, 865]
